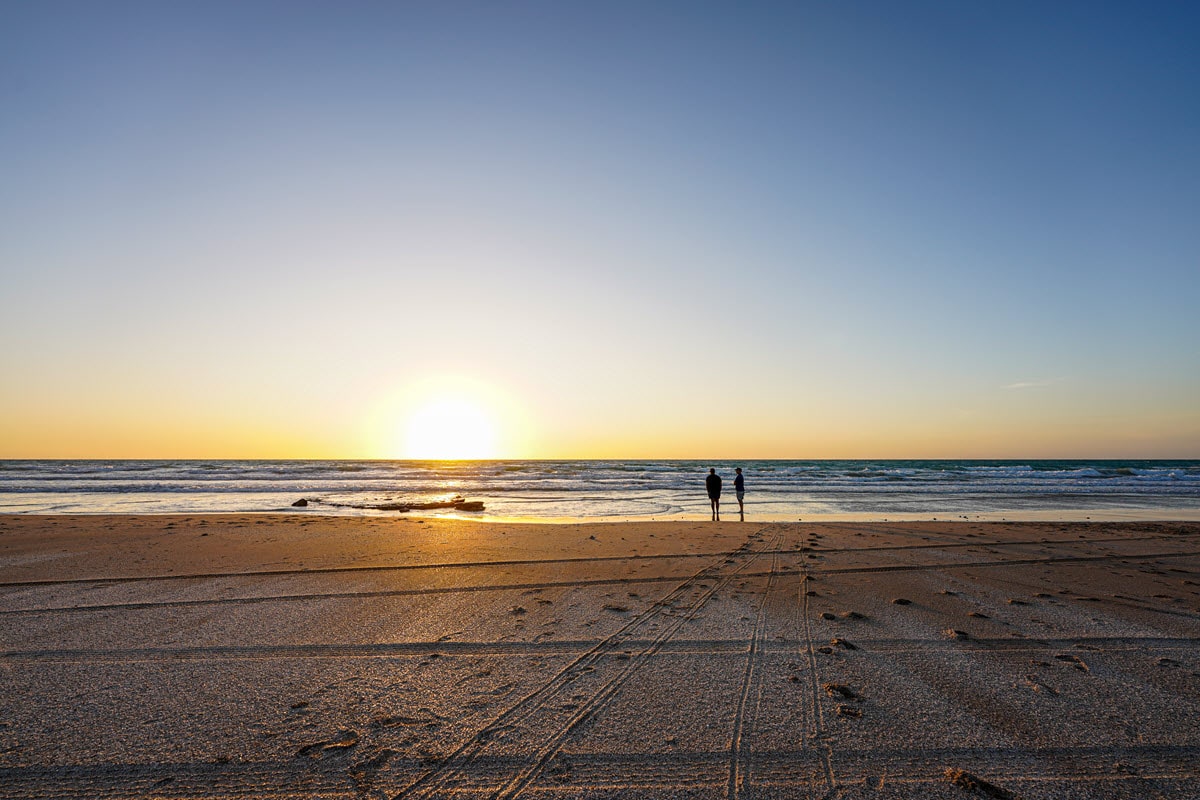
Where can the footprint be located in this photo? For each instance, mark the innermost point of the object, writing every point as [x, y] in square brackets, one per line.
[1036, 685]
[1074, 660]
[427, 719]
[343, 741]
[973, 783]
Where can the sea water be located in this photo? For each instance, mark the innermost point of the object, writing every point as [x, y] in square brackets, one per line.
[610, 490]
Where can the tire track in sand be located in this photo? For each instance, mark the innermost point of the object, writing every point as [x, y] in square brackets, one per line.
[552, 722]
[740, 760]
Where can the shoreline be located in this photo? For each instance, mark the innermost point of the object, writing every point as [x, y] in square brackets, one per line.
[1064, 515]
[557, 491]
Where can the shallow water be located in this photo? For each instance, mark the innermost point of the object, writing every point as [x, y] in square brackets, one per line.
[557, 490]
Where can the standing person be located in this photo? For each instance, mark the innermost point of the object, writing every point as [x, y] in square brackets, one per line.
[713, 484]
[739, 486]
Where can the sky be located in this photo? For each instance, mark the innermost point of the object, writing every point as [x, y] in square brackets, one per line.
[607, 230]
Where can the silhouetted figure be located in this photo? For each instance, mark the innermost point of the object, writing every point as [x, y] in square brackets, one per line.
[713, 484]
[739, 486]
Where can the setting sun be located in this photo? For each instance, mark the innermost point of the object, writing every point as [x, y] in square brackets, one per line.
[450, 428]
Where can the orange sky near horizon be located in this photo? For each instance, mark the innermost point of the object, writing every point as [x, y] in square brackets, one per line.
[1014, 425]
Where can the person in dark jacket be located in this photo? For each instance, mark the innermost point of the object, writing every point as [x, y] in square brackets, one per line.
[713, 484]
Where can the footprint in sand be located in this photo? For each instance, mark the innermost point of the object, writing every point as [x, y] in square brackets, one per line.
[1073, 660]
[973, 783]
[1036, 685]
[344, 740]
[840, 690]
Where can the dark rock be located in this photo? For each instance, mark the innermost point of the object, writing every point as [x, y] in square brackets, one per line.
[301, 503]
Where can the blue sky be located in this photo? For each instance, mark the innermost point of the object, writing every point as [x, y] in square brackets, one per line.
[671, 229]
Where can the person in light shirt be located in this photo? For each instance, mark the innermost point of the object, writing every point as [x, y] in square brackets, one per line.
[739, 486]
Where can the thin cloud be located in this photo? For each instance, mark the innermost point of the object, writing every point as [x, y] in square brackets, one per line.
[1033, 384]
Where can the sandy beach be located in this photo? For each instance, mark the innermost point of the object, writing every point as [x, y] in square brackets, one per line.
[337, 657]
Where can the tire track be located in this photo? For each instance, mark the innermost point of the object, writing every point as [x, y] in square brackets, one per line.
[268, 573]
[497, 587]
[598, 702]
[740, 760]
[1013, 562]
[956, 545]
[457, 767]
[548, 561]
[656, 775]
[706, 647]
[953, 565]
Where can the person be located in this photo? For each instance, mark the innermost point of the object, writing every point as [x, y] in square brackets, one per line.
[739, 486]
[713, 484]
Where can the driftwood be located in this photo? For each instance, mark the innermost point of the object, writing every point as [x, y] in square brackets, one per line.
[457, 503]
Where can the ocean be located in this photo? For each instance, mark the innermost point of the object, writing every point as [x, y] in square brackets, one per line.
[613, 490]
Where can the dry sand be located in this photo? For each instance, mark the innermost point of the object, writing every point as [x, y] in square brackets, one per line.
[293, 656]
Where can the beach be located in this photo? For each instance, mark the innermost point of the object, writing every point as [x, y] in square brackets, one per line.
[285, 655]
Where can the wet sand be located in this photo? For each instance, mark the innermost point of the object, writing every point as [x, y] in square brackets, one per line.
[337, 657]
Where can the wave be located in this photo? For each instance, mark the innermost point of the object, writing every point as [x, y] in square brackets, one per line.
[555, 487]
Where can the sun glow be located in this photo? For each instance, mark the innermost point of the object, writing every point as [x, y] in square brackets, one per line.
[450, 428]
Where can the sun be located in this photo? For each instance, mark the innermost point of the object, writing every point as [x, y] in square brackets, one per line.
[450, 428]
